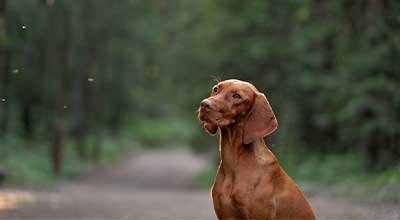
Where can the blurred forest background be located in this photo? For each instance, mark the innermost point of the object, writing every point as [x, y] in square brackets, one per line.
[81, 81]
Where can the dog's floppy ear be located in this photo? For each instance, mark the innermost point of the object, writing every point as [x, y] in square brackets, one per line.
[261, 120]
[210, 128]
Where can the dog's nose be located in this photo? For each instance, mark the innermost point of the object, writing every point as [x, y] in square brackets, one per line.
[206, 104]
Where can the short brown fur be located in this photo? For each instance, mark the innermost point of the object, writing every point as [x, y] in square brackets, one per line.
[250, 183]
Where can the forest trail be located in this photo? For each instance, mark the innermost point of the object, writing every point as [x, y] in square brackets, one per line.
[153, 185]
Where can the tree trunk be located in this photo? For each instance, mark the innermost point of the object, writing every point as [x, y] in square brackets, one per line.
[27, 120]
[82, 107]
[4, 69]
[86, 79]
[57, 146]
[59, 50]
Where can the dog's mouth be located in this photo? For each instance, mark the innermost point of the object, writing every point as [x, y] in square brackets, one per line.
[209, 123]
[215, 117]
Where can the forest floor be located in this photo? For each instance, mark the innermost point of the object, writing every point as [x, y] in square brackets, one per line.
[155, 185]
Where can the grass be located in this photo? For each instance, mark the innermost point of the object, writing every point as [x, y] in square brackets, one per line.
[205, 179]
[28, 163]
[344, 173]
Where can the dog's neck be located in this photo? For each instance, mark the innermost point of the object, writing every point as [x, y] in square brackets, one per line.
[231, 145]
[232, 148]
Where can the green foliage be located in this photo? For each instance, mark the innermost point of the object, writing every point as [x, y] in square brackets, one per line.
[328, 169]
[24, 163]
[28, 163]
[328, 64]
[159, 132]
[342, 171]
[329, 69]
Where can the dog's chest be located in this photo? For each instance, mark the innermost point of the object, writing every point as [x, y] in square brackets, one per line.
[238, 196]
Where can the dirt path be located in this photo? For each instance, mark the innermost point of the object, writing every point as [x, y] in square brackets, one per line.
[152, 186]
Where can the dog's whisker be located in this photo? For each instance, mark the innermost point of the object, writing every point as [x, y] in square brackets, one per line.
[215, 78]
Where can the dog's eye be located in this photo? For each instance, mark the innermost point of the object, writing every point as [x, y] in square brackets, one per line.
[236, 96]
[215, 89]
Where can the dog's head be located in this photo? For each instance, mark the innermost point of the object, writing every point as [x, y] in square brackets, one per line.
[233, 101]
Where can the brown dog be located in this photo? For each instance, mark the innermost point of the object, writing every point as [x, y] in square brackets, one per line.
[250, 183]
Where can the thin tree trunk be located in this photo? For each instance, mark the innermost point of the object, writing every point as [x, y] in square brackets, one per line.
[4, 69]
[85, 96]
[61, 60]
[83, 104]
[57, 145]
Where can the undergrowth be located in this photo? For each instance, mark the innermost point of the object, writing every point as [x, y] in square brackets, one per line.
[28, 163]
[340, 171]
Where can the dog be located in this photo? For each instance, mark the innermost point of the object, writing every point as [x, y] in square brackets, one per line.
[250, 183]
